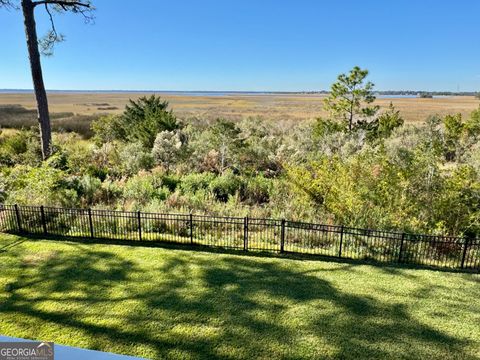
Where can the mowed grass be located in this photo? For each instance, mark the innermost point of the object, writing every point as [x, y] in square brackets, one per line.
[185, 303]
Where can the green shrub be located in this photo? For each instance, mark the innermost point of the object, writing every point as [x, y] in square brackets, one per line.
[141, 121]
[322, 127]
[16, 144]
[139, 189]
[110, 192]
[59, 160]
[144, 118]
[256, 190]
[385, 124]
[142, 188]
[225, 186]
[89, 189]
[40, 186]
[170, 182]
[107, 129]
[134, 157]
[192, 183]
[20, 148]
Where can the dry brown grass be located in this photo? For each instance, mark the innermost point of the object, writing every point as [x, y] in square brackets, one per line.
[275, 107]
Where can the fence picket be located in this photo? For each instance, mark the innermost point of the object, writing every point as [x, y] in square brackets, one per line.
[401, 248]
[464, 254]
[44, 223]
[139, 220]
[341, 242]
[191, 228]
[90, 222]
[245, 233]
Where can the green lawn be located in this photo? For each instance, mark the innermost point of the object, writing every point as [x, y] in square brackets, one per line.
[184, 303]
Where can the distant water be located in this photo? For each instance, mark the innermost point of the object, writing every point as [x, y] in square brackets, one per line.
[396, 96]
[409, 96]
[200, 93]
[165, 92]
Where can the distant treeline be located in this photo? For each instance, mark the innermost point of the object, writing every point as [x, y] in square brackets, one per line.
[434, 93]
[407, 93]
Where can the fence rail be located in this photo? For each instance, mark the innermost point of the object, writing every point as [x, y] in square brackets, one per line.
[244, 233]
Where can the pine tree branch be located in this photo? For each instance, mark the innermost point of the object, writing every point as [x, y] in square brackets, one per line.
[63, 4]
[51, 20]
[8, 4]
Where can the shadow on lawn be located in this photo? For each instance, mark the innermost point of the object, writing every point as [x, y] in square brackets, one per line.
[234, 307]
[392, 268]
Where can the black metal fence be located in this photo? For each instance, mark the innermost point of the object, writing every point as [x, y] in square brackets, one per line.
[244, 233]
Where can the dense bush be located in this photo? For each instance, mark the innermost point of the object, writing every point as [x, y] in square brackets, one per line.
[142, 188]
[141, 121]
[256, 190]
[107, 129]
[20, 148]
[191, 183]
[168, 148]
[171, 182]
[40, 185]
[134, 158]
[381, 173]
[226, 185]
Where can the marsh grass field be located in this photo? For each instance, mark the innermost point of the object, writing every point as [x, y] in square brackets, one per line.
[278, 107]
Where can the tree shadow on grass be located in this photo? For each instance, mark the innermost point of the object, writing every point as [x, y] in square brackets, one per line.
[387, 267]
[10, 245]
[200, 306]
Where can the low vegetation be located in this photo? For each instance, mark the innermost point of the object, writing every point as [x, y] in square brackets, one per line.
[18, 117]
[176, 304]
[357, 165]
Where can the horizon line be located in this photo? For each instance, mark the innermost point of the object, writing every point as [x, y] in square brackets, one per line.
[13, 90]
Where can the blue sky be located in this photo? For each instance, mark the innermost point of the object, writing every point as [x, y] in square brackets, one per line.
[272, 45]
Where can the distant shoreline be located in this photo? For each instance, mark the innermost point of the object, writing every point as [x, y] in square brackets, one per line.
[405, 93]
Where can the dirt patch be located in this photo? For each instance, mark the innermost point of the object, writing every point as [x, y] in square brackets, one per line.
[38, 258]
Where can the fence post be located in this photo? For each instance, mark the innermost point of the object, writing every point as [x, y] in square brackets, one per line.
[464, 255]
[401, 249]
[19, 222]
[44, 223]
[282, 237]
[191, 228]
[341, 242]
[90, 221]
[245, 233]
[139, 219]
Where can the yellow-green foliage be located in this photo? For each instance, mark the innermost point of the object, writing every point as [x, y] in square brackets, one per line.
[381, 174]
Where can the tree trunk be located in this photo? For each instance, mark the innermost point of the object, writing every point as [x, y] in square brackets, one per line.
[37, 77]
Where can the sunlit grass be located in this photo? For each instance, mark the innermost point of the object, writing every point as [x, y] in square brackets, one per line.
[183, 303]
